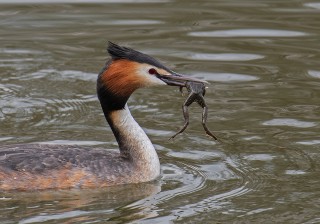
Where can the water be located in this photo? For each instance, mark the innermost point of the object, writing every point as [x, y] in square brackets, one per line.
[262, 61]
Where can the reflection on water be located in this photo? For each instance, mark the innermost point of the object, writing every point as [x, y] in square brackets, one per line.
[262, 62]
[73, 204]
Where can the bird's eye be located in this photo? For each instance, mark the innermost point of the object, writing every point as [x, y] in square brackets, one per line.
[152, 71]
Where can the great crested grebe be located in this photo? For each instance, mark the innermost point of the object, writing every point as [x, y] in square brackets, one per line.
[37, 166]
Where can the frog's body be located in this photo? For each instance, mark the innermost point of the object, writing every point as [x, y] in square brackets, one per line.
[196, 92]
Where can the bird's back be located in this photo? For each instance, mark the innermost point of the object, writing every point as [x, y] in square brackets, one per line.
[38, 166]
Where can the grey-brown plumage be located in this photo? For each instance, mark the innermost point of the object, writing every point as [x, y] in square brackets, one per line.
[39, 158]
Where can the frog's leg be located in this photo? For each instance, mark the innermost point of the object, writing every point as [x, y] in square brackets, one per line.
[186, 121]
[203, 104]
[185, 111]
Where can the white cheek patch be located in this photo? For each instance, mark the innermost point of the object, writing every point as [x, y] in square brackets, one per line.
[154, 81]
[148, 79]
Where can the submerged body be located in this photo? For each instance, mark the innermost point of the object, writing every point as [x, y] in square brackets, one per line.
[196, 92]
[38, 167]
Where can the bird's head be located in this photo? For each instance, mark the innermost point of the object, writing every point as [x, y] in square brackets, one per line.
[129, 70]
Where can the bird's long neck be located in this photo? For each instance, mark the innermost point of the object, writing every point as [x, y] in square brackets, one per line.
[134, 144]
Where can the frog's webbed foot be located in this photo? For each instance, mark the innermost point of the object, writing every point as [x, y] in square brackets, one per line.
[204, 121]
[186, 121]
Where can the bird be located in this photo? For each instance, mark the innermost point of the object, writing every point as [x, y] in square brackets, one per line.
[31, 167]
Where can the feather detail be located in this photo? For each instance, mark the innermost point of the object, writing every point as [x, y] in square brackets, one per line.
[118, 52]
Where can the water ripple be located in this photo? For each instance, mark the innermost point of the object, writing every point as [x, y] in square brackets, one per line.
[181, 181]
[224, 56]
[19, 51]
[9, 89]
[226, 77]
[314, 74]
[56, 75]
[78, 1]
[218, 172]
[248, 33]
[199, 182]
[210, 203]
[59, 216]
[289, 122]
[309, 142]
[128, 22]
[315, 5]
[196, 154]
[59, 111]
[189, 177]
[70, 142]
[259, 157]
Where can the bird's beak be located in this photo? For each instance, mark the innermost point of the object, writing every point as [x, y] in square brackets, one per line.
[176, 79]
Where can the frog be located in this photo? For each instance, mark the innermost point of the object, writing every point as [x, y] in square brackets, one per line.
[196, 92]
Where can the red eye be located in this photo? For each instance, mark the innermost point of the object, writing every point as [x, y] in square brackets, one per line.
[152, 71]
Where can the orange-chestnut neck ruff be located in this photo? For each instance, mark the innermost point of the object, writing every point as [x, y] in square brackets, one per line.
[120, 77]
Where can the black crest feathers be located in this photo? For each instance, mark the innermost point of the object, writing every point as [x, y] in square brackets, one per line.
[118, 52]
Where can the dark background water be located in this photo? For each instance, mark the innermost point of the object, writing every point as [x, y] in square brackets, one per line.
[262, 61]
